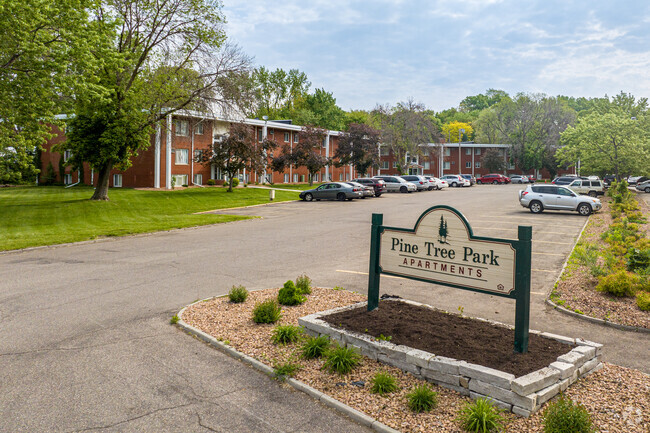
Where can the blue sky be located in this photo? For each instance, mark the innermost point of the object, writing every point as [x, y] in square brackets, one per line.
[439, 51]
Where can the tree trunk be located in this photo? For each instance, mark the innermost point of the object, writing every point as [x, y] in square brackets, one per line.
[101, 192]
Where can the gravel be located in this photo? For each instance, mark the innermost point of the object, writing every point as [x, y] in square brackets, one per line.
[617, 398]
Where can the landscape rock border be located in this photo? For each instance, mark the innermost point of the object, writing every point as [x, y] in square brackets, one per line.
[523, 395]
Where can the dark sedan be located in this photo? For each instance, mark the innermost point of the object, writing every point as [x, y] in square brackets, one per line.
[332, 191]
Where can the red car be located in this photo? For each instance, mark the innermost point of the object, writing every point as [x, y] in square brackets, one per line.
[493, 178]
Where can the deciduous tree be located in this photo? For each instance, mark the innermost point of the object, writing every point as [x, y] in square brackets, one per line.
[450, 131]
[307, 152]
[359, 147]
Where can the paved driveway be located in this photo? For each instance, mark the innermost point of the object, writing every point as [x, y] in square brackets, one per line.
[85, 343]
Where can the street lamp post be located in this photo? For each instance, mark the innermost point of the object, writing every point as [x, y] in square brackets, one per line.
[264, 132]
[460, 155]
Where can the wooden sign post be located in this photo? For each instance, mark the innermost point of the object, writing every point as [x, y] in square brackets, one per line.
[442, 249]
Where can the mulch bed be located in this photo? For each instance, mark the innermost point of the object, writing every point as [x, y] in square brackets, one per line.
[450, 335]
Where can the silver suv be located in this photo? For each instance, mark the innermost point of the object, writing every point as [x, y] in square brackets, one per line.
[537, 198]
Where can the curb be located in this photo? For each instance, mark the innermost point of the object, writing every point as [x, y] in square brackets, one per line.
[586, 318]
[355, 415]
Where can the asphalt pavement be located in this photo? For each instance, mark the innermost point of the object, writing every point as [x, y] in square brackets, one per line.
[85, 340]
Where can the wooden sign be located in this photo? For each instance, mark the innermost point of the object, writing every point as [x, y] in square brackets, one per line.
[442, 249]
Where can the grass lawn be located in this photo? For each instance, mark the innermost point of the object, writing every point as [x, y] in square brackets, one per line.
[300, 186]
[31, 216]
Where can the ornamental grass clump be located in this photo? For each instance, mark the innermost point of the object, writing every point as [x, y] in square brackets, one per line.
[315, 347]
[284, 370]
[621, 283]
[422, 399]
[303, 283]
[267, 312]
[564, 416]
[238, 294]
[290, 295]
[286, 334]
[341, 360]
[383, 383]
[481, 417]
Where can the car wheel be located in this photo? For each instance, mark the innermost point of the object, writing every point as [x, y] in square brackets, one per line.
[309, 197]
[592, 194]
[377, 194]
[647, 189]
[584, 209]
[403, 189]
[454, 185]
[340, 196]
[494, 182]
[479, 182]
[536, 207]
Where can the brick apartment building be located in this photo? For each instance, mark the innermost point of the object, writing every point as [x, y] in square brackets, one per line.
[179, 141]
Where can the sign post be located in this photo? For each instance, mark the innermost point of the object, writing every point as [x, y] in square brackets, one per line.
[442, 249]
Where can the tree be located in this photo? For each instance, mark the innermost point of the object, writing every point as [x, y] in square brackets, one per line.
[488, 130]
[307, 152]
[356, 116]
[482, 101]
[451, 130]
[359, 147]
[320, 109]
[607, 143]
[404, 128]
[277, 92]
[237, 150]
[493, 161]
[158, 58]
[44, 57]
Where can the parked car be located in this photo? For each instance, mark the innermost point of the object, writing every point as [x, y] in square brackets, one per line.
[608, 179]
[367, 191]
[378, 185]
[493, 178]
[643, 186]
[531, 178]
[593, 188]
[565, 180]
[420, 182]
[436, 183]
[518, 178]
[397, 184]
[332, 191]
[472, 179]
[633, 180]
[538, 198]
[455, 180]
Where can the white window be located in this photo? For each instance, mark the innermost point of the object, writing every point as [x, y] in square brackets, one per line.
[287, 137]
[445, 165]
[324, 142]
[425, 152]
[295, 178]
[286, 176]
[198, 155]
[477, 165]
[315, 177]
[447, 151]
[340, 177]
[117, 181]
[468, 164]
[511, 166]
[477, 151]
[260, 135]
[394, 164]
[198, 179]
[384, 151]
[427, 165]
[468, 151]
[180, 180]
[67, 179]
[181, 156]
[67, 154]
[295, 137]
[384, 165]
[182, 127]
[347, 176]
[198, 129]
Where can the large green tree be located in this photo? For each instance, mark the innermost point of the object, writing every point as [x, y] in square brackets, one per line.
[44, 59]
[277, 92]
[320, 109]
[159, 57]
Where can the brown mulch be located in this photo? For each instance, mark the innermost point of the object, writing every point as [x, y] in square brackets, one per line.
[577, 286]
[617, 398]
[450, 335]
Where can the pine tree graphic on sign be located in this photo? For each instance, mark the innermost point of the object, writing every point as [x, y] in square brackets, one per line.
[442, 231]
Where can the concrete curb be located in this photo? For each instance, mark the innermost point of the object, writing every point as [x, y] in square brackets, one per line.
[357, 416]
[582, 316]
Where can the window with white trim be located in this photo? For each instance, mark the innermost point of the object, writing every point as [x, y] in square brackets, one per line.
[117, 181]
[477, 151]
[287, 137]
[425, 152]
[347, 177]
[182, 127]
[67, 179]
[394, 164]
[182, 155]
[260, 135]
[511, 166]
[295, 178]
[447, 151]
[446, 165]
[180, 180]
[198, 179]
[198, 155]
[340, 177]
[286, 178]
[384, 151]
[468, 164]
[198, 129]
[315, 177]
[295, 137]
[384, 165]
[427, 165]
[67, 154]
[477, 165]
[468, 151]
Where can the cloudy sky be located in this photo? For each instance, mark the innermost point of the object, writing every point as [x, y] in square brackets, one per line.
[439, 51]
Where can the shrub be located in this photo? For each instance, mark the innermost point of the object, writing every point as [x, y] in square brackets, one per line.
[285, 334]
[638, 259]
[238, 294]
[235, 182]
[481, 416]
[266, 312]
[643, 301]
[383, 383]
[563, 416]
[315, 347]
[621, 283]
[174, 320]
[341, 360]
[288, 369]
[211, 182]
[422, 399]
[303, 283]
[290, 295]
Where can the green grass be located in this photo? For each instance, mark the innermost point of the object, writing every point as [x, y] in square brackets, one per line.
[300, 186]
[33, 216]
